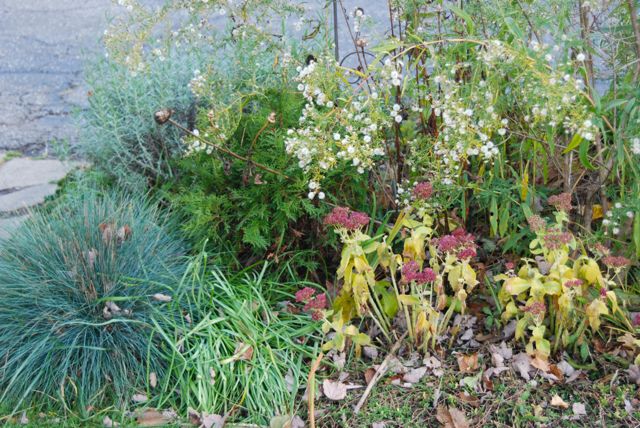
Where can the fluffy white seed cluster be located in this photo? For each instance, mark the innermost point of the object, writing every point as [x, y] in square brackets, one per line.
[635, 146]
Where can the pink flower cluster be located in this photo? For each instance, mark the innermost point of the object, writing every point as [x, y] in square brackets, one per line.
[460, 242]
[314, 305]
[345, 218]
[555, 239]
[561, 202]
[616, 262]
[411, 272]
[574, 283]
[423, 190]
[536, 223]
[536, 308]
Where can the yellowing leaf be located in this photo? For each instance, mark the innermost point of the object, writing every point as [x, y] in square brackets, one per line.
[597, 212]
[408, 300]
[594, 310]
[517, 285]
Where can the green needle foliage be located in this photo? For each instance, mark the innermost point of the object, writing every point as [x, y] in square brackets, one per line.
[230, 348]
[76, 295]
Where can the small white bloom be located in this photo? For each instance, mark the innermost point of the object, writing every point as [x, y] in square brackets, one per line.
[630, 214]
[311, 195]
[580, 57]
[618, 205]
[321, 195]
[616, 230]
[398, 118]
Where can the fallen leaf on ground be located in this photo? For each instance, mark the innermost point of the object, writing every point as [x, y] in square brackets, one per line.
[557, 401]
[466, 398]
[370, 352]
[286, 421]
[243, 352]
[522, 364]
[633, 372]
[414, 375]
[432, 362]
[140, 398]
[108, 423]
[468, 363]
[540, 364]
[579, 409]
[211, 420]
[378, 425]
[159, 297]
[451, 417]
[153, 379]
[368, 375]
[152, 418]
[334, 390]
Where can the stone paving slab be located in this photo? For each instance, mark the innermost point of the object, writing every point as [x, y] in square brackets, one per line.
[24, 172]
[27, 197]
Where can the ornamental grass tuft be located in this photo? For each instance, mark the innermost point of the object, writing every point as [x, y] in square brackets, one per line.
[78, 286]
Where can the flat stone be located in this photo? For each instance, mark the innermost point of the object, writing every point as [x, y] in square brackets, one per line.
[24, 172]
[27, 197]
[9, 225]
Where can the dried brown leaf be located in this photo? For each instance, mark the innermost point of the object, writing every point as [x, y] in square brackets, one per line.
[334, 390]
[153, 379]
[414, 375]
[467, 363]
[152, 418]
[557, 401]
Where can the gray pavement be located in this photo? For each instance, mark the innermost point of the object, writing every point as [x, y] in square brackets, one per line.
[43, 46]
[41, 57]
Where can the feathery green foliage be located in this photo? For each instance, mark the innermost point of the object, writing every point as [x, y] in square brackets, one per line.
[240, 208]
[231, 347]
[76, 295]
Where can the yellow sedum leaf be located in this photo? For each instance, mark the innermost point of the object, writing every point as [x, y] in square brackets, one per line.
[594, 311]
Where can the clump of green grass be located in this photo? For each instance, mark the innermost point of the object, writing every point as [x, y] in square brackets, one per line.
[230, 349]
[76, 296]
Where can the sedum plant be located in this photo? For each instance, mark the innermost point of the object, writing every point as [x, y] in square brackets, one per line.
[406, 271]
[78, 286]
[561, 293]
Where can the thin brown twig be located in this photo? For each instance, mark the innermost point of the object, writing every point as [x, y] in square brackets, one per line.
[378, 374]
[311, 390]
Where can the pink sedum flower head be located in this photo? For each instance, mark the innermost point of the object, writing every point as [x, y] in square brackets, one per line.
[305, 294]
[536, 223]
[561, 202]
[342, 217]
[459, 242]
[574, 283]
[423, 190]
[316, 306]
[616, 262]
[411, 272]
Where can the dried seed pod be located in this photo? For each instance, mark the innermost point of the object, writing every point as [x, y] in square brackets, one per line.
[162, 116]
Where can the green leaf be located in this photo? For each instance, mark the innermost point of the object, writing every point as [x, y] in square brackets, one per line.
[493, 216]
[504, 219]
[465, 17]
[575, 142]
[583, 154]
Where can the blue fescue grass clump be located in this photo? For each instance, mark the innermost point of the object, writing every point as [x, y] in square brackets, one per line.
[234, 346]
[77, 286]
[118, 130]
